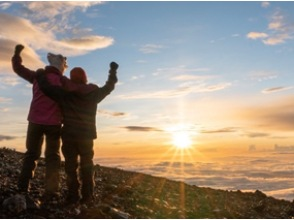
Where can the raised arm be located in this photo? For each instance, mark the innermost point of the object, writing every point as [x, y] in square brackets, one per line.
[110, 83]
[20, 69]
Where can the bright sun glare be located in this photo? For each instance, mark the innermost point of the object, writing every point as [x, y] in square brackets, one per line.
[181, 140]
[181, 136]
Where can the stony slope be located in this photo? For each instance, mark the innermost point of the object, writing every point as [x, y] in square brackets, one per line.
[123, 194]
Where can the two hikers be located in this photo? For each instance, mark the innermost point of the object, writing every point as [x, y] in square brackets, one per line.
[73, 103]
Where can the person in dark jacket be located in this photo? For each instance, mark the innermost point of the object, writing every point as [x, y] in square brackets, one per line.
[45, 120]
[79, 127]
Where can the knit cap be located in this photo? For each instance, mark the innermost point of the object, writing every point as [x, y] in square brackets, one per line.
[58, 61]
[78, 75]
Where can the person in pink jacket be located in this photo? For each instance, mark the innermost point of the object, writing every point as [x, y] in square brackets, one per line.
[44, 124]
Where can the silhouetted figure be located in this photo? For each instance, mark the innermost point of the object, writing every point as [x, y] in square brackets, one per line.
[79, 127]
[44, 121]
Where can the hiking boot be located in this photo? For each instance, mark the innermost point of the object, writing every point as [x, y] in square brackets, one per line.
[51, 199]
[88, 201]
[71, 200]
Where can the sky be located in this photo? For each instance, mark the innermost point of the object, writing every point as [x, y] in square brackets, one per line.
[206, 84]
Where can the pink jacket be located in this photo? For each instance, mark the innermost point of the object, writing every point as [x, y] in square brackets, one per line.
[43, 110]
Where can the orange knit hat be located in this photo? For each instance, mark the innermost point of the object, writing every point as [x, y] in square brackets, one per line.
[78, 75]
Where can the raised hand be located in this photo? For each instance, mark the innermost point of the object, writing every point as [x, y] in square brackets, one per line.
[113, 66]
[18, 49]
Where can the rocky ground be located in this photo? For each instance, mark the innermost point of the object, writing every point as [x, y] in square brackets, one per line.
[122, 194]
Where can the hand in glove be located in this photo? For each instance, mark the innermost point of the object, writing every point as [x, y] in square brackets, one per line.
[113, 66]
[18, 49]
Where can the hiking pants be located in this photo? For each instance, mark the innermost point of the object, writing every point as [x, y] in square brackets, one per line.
[34, 141]
[72, 149]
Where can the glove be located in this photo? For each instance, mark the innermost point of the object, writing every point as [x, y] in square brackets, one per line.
[113, 66]
[18, 49]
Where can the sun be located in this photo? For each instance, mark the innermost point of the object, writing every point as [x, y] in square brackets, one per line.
[181, 140]
[181, 136]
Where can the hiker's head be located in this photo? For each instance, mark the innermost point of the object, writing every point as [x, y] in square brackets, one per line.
[78, 75]
[57, 61]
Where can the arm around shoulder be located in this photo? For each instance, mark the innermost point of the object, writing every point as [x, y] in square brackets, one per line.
[52, 91]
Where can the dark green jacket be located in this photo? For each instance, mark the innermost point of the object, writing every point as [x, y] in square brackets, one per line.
[78, 107]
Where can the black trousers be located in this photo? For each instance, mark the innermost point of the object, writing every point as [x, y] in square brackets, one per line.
[34, 141]
[73, 150]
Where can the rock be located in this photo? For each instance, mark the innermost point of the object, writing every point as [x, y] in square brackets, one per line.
[260, 194]
[119, 214]
[15, 204]
[260, 206]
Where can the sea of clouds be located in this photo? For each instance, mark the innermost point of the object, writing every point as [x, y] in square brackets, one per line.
[270, 172]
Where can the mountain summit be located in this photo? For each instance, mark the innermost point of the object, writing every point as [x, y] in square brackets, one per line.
[123, 194]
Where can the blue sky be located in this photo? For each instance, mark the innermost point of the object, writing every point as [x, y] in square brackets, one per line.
[218, 71]
[217, 76]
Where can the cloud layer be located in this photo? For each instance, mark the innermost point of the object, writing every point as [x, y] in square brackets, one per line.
[271, 172]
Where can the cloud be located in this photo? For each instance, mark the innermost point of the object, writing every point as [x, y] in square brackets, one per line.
[112, 114]
[276, 89]
[256, 134]
[279, 39]
[278, 23]
[137, 77]
[4, 100]
[212, 88]
[189, 77]
[180, 91]
[288, 149]
[279, 30]
[265, 4]
[252, 148]
[141, 128]
[4, 137]
[175, 164]
[222, 130]
[151, 48]
[46, 27]
[23, 30]
[189, 83]
[5, 5]
[56, 8]
[263, 75]
[9, 80]
[31, 59]
[89, 42]
[256, 35]
[27, 33]
[264, 171]
[173, 72]
[157, 95]
[4, 109]
[58, 16]
[277, 115]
